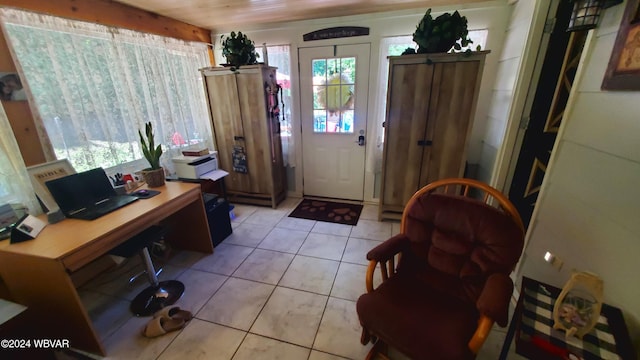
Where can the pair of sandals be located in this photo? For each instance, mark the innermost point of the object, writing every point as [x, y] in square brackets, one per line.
[167, 319]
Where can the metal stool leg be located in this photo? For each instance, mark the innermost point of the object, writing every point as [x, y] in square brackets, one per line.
[159, 294]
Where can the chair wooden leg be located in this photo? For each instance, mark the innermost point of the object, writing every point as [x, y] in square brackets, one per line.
[379, 350]
[365, 337]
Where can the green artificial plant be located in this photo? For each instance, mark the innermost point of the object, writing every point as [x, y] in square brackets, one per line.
[442, 33]
[151, 153]
[238, 49]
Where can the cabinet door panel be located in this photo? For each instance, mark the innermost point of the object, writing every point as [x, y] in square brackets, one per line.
[251, 93]
[406, 124]
[452, 105]
[227, 123]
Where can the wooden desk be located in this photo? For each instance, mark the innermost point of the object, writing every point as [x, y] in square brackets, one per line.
[36, 272]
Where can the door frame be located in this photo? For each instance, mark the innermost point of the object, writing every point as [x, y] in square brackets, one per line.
[530, 69]
[374, 49]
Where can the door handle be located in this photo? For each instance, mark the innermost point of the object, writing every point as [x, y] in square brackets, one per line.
[425, 142]
[238, 138]
[361, 141]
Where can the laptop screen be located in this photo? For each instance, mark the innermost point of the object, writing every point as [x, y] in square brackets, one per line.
[80, 190]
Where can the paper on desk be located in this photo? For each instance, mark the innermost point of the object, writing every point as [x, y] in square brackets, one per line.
[214, 175]
[31, 226]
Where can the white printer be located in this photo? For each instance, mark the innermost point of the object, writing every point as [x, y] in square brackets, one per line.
[193, 167]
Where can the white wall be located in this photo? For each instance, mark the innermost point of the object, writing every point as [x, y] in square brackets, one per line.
[587, 211]
[491, 15]
[513, 73]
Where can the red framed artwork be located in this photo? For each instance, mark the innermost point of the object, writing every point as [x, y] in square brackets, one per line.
[623, 72]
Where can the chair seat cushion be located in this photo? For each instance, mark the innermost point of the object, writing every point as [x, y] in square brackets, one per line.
[420, 322]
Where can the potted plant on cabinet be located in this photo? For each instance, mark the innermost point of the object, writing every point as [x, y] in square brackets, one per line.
[238, 49]
[440, 34]
[154, 175]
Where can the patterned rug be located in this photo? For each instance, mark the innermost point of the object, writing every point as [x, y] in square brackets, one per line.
[328, 211]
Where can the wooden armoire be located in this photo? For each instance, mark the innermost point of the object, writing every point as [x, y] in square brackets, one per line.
[431, 101]
[243, 109]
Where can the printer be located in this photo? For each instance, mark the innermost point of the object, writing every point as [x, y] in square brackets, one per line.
[193, 167]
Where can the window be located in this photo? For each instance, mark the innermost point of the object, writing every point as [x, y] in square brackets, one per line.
[333, 94]
[95, 86]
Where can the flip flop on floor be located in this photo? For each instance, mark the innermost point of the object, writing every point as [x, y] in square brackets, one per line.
[162, 325]
[174, 312]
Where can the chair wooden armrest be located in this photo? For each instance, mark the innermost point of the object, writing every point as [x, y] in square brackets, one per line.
[485, 324]
[387, 269]
[384, 254]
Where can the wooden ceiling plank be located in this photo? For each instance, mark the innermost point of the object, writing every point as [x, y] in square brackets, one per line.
[115, 14]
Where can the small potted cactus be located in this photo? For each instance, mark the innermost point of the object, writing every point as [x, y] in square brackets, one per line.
[154, 175]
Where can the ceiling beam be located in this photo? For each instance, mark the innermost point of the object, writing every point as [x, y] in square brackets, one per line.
[115, 14]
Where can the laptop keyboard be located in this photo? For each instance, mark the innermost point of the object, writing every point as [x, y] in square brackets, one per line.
[103, 207]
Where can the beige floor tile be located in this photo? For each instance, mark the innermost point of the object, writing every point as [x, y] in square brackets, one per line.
[266, 217]
[310, 274]
[357, 249]
[331, 228]
[236, 304]
[204, 340]
[296, 224]
[291, 315]
[225, 260]
[107, 313]
[242, 212]
[324, 246]
[199, 287]
[395, 228]
[350, 282]
[248, 235]
[185, 258]
[372, 230]
[369, 212]
[289, 203]
[264, 266]
[115, 282]
[340, 330]
[258, 347]
[284, 240]
[129, 343]
[318, 355]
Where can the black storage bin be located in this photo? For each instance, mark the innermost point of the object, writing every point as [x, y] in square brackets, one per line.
[218, 216]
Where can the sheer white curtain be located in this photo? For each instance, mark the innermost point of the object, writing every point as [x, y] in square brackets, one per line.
[15, 186]
[280, 57]
[94, 86]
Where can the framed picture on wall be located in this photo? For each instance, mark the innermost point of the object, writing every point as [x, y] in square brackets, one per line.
[11, 88]
[40, 174]
[623, 72]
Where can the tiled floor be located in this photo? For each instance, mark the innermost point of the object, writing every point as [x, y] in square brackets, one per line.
[277, 288]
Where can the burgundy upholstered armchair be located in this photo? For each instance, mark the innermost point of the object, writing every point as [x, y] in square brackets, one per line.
[454, 255]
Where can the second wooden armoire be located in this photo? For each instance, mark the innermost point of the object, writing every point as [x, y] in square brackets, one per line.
[244, 115]
[431, 102]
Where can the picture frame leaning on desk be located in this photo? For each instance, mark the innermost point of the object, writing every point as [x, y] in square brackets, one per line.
[40, 174]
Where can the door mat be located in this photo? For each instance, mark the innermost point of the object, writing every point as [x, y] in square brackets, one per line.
[328, 211]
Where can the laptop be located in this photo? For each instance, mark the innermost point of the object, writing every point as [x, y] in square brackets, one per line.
[87, 195]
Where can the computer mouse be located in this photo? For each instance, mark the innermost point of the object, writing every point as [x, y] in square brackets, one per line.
[143, 192]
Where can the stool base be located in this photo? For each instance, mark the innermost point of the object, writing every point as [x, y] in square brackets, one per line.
[154, 298]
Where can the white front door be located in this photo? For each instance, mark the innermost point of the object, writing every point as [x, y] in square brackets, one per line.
[334, 84]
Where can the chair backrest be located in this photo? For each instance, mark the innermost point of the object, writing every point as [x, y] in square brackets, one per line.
[458, 240]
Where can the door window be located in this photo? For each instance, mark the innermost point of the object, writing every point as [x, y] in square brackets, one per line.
[333, 94]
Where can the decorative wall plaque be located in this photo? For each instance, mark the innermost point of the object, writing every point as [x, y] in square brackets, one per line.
[336, 32]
